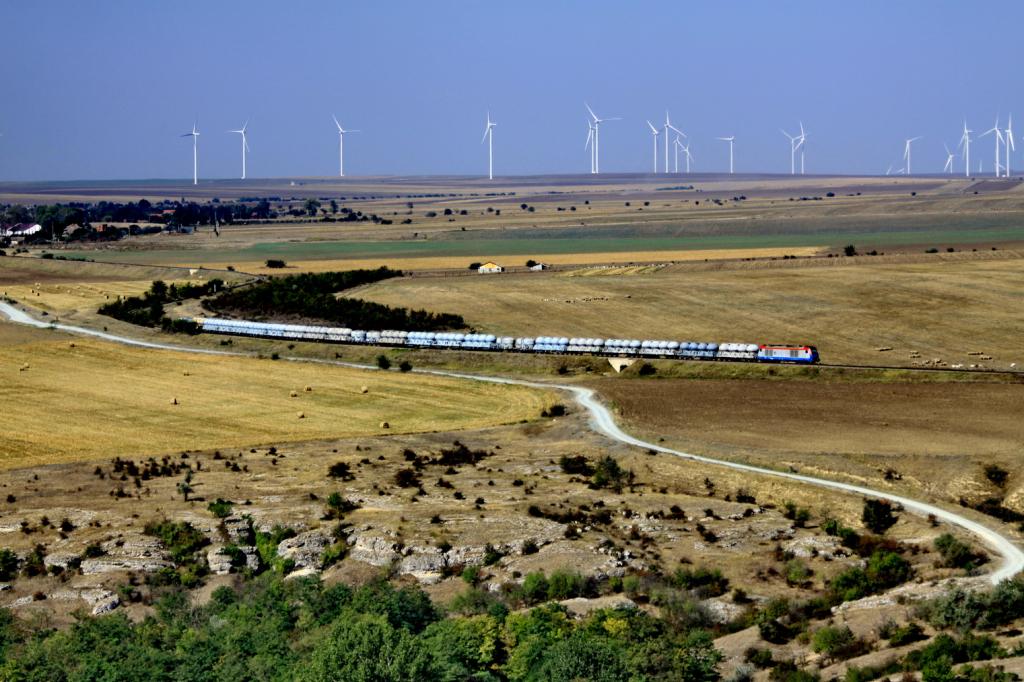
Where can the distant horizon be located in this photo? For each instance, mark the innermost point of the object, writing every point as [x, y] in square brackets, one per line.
[419, 79]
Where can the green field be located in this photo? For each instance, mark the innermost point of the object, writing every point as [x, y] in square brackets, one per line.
[534, 246]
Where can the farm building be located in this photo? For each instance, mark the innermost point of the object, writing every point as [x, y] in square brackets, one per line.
[21, 230]
[490, 267]
[537, 267]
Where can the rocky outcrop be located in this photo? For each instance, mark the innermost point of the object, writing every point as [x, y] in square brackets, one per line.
[142, 554]
[305, 549]
[220, 563]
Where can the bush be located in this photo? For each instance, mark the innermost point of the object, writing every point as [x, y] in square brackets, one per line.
[956, 554]
[878, 516]
[275, 263]
[8, 565]
[475, 266]
[884, 570]
[996, 474]
[383, 362]
[838, 643]
[576, 464]
[405, 366]
[340, 470]
[220, 508]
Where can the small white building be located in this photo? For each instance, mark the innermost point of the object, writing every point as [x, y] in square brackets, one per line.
[537, 267]
[21, 230]
[489, 268]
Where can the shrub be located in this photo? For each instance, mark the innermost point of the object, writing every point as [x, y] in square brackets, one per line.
[181, 539]
[710, 582]
[838, 643]
[884, 570]
[878, 516]
[647, 369]
[405, 366]
[8, 565]
[275, 263]
[407, 478]
[996, 474]
[340, 470]
[535, 588]
[383, 362]
[220, 508]
[576, 464]
[608, 474]
[956, 554]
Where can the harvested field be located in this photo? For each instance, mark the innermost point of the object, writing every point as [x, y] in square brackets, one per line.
[68, 399]
[942, 309]
[936, 437]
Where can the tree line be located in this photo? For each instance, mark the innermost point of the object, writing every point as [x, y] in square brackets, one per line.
[312, 296]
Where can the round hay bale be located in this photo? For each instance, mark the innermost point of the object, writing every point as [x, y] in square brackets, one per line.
[364, 389]
[293, 394]
[71, 345]
[385, 425]
[301, 415]
[309, 389]
[186, 373]
[174, 401]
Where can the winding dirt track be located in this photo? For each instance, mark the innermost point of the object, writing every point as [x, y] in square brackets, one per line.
[603, 422]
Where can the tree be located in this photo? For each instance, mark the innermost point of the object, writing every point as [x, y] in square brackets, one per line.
[849, 250]
[334, 206]
[383, 362]
[584, 657]
[367, 649]
[530, 263]
[878, 516]
[312, 205]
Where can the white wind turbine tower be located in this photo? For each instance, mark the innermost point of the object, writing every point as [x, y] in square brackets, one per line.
[590, 144]
[341, 146]
[667, 127]
[677, 145]
[655, 132]
[998, 138]
[689, 156]
[597, 136]
[965, 142]
[245, 145]
[195, 153]
[1008, 145]
[731, 139]
[906, 152]
[489, 136]
[802, 146]
[948, 168]
[794, 142]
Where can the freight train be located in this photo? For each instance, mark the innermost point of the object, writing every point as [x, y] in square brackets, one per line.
[559, 345]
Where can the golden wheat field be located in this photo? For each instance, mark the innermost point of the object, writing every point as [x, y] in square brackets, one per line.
[67, 398]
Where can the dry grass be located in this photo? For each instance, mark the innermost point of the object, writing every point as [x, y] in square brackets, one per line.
[94, 399]
[942, 309]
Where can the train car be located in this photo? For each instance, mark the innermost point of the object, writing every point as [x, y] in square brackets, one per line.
[784, 353]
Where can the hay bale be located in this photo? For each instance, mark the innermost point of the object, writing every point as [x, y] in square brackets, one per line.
[308, 389]
[364, 389]
[293, 394]
[301, 415]
[23, 368]
[71, 345]
[385, 425]
[186, 373]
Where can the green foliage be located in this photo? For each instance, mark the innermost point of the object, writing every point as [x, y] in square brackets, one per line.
[608, 474]
[878, 515]
[576, 465]
[970, 610]
[220, 508]
[8, 565]
[957, 554]
[935, 660]
[583, 657]
[838, 643]
[340, 470]
[312, 295]
[181, 539]
[709, 581]
[365, 649]
[383, 362]
[148, 310]
[884, 570]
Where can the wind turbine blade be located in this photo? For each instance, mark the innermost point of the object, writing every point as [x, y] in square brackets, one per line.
[486, 130]
[672, 127]
[653, 129]
[336, 123]
[591, 111]
[613, 118]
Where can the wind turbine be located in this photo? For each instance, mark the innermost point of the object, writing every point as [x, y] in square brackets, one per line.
[689, 156]
[656, 132]
[731, 139]
[949, 160]
[668, 126]
[998, 138]
[676, 146]
[794, 142]
[1008, 145]
[802, 146]
[341, 146]
[906, 152]
[245, 145]
[195, 153]
[597, 136]
[590, 145]
[965, 142]
[489, 136]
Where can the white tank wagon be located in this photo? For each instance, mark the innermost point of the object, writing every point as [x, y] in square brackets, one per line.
[559, 345]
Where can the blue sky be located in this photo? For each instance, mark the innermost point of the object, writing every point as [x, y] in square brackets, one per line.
[102, 90]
